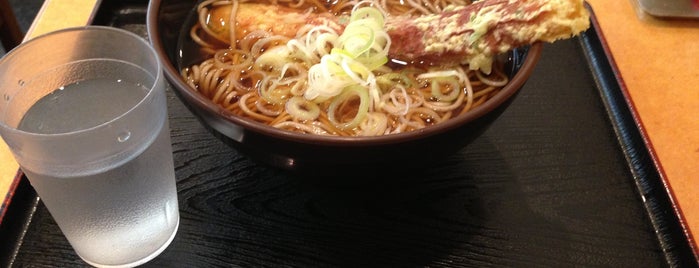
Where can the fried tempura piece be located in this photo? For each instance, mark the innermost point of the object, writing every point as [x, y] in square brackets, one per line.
[274, 19]
[474, 33]
[470, 34]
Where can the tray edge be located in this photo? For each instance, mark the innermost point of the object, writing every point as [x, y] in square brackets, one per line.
[656, 194]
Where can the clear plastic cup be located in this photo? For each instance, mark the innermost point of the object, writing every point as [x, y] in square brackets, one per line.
[83, 111]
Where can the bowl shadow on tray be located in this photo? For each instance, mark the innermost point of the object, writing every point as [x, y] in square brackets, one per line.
[315, 156]
[259, 215]
[239, 212]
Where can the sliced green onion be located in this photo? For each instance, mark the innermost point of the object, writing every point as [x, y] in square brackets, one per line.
[374, 125]
[272, 91]
[439, 83]
[395, 79]
[357, 40]
[348, 70]
[439, 79]
[273, 58]
[362, 109]
[367, 12]
[301, 109]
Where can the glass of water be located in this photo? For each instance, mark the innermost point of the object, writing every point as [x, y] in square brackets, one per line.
[83, 111]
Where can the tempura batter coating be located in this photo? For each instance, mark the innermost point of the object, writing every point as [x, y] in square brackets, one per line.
[473, 34]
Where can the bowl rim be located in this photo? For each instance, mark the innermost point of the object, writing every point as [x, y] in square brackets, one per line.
[201, 102]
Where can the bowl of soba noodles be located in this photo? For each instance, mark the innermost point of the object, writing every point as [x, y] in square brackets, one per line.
[338, 85]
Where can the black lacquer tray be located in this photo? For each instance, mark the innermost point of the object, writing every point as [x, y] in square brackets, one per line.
[561, 179]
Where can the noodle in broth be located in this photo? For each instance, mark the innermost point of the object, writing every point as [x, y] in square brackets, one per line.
[272, 78]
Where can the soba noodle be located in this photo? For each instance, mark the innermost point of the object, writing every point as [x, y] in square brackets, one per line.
[244, 73]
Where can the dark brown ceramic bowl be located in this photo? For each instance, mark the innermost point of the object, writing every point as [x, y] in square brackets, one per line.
[305, 152]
